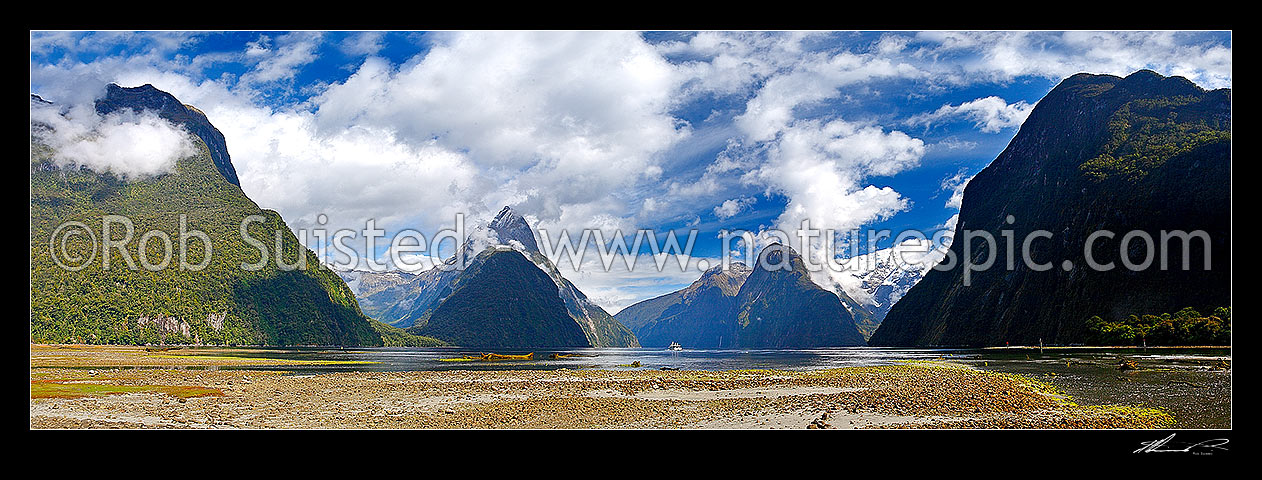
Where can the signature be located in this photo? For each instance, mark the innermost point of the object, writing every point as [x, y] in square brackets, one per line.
[1159, 446]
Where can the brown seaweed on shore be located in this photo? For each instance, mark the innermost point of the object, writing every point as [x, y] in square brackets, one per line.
[557, 356]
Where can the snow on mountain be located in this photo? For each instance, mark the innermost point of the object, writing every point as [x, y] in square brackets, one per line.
[880, 278]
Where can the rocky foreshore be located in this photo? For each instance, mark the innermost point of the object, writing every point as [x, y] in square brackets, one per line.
[912, 395]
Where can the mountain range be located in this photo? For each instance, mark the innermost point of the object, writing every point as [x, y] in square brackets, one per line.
[1099, 152]
[774, 304]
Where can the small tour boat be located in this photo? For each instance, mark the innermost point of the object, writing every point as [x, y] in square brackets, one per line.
[675, 346]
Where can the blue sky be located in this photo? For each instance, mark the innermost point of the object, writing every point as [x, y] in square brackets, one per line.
[613, 130]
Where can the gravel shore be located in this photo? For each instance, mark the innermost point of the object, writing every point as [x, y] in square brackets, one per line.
[913, 395]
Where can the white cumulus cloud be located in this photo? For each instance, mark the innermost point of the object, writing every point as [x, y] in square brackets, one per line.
[124, 143]
[729, 208]
[989, 114]
[555, 122]
[822, 167]
[955, 184]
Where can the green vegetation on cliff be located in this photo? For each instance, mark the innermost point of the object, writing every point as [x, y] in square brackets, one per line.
[1185, 327]
[1146, 132]
[221, 303]
[392, 336]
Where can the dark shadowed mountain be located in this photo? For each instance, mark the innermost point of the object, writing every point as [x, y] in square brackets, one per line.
[1142, 153]
[747, 308]
[699, 316]
[504, 301]
[783, 308]
[524, 317]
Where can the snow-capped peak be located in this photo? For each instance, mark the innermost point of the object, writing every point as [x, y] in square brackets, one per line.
[880, 278]
[509, 227]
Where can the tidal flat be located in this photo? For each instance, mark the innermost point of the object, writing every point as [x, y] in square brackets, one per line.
[129, 387]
